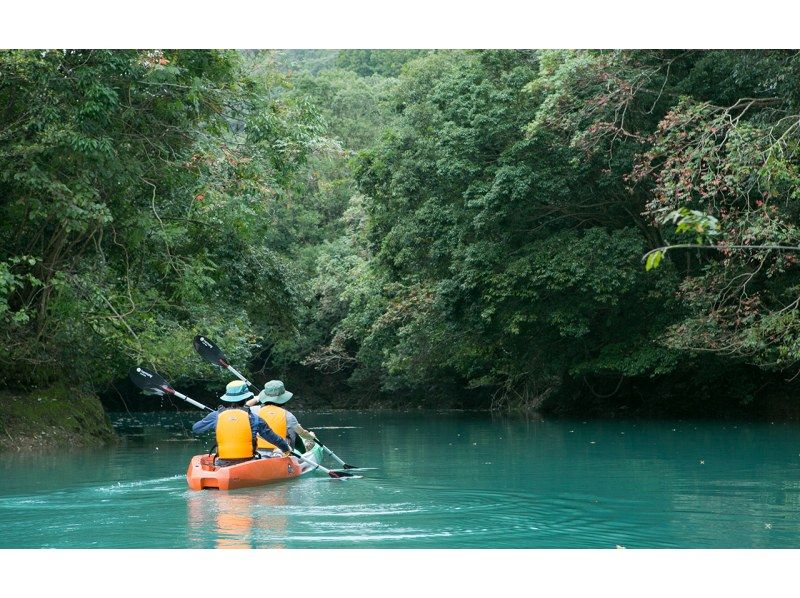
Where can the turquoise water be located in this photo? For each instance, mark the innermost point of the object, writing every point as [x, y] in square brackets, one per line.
[444, 480]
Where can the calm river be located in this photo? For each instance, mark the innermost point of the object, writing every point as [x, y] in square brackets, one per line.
[444, 480]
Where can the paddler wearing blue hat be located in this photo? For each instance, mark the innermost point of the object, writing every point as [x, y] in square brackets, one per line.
[236, 427]
[280, 420]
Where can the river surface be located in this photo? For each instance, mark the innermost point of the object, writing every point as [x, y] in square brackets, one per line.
[443, 480]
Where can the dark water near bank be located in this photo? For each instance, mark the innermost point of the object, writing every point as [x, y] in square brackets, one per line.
[445, 480]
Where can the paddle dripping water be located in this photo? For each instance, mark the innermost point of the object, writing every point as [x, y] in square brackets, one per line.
[446, 480]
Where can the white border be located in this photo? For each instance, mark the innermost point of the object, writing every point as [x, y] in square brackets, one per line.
[407, 24]
[327, 573]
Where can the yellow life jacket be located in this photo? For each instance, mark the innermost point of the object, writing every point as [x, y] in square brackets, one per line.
[276, 419]
[234, 435]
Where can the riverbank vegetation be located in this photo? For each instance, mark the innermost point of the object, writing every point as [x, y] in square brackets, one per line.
[416, 228]
[57, 416]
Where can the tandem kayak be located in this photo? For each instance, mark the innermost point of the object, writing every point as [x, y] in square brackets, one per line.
[203, 474]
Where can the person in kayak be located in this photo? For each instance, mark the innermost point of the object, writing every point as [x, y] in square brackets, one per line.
[236, 428]
[282, 421]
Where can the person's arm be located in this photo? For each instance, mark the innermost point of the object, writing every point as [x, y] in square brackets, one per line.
[305, 434]
[263, 430]
[252, 402]
[294, 425]
[209, 422]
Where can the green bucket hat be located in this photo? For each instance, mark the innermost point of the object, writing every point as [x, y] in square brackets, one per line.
[236, 391]
[274, 392]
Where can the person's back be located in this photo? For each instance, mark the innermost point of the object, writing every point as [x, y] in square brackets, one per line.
[236, 428]
[279, 419]
[275, 417]
[234, 434]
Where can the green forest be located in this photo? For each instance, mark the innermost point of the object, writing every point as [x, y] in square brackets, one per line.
[593, 232]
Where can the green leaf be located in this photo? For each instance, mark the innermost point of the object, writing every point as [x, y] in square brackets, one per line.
[653, 260]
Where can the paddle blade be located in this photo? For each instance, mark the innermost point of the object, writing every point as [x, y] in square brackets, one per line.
[342, 475]
[209, 351]
[150, 381]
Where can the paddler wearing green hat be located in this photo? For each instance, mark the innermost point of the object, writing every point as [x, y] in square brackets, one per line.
[236, 427]
[282, 421]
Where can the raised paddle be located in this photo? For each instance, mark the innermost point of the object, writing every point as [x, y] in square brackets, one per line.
[213, 354]
[152, 382]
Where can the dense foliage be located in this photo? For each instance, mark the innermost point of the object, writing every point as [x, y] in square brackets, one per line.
[140, 193]
[508, 206]
[446, 227]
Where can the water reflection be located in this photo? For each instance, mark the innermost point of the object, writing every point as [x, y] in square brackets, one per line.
[253, 518]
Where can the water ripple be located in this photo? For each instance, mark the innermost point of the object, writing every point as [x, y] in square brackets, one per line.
[126, 486]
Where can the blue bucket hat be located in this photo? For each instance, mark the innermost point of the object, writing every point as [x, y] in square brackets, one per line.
[274, 392]
[236, 391]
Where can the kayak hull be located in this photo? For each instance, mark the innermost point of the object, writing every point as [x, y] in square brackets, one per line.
[203, 475]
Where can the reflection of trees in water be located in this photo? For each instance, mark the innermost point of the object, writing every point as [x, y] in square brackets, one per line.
[251, 519]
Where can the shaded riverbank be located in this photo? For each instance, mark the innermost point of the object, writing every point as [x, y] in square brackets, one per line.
[52, 417]
[60, 417]
[748, 397]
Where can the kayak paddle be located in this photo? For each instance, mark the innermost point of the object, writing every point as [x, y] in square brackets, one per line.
[213, 354]
[334, 474]
[342, 463]
[209, 351]
[154, 383]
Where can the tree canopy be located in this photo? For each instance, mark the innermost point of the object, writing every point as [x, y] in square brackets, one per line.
[456, 227]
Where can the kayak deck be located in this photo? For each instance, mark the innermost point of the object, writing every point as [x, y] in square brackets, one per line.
[203, 475]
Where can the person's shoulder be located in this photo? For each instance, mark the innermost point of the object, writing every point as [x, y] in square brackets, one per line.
[213, 414]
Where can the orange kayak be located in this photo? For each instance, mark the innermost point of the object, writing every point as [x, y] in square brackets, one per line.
[203, 474]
